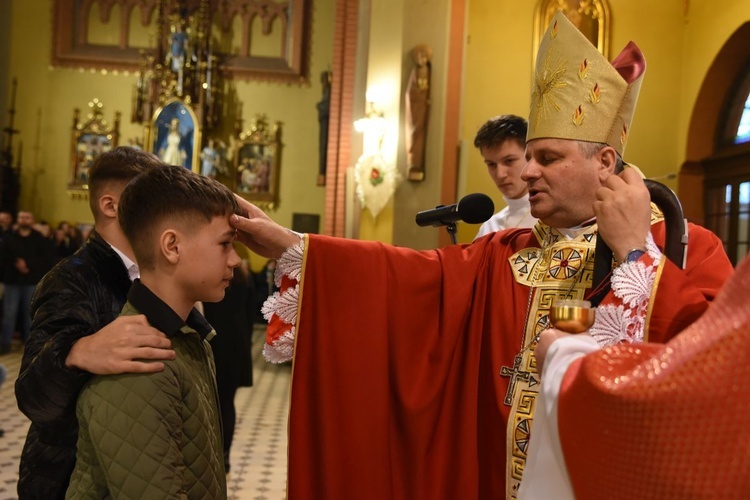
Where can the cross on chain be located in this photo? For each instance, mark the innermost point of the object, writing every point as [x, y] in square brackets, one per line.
[515, 374]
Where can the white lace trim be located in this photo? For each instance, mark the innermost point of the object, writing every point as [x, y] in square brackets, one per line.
[290, 263]
[632, 283]
[282, 350]
[652, 249]
[283, 305]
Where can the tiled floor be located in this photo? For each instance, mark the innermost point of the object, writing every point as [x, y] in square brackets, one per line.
[258, 454]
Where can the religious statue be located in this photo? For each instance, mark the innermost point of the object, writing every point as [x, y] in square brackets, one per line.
[178, 51]
[173, 154]
[209, 160]
[323, 115]
[178, 48]
[417, 112]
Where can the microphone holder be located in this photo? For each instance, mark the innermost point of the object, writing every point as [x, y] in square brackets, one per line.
[452, 228]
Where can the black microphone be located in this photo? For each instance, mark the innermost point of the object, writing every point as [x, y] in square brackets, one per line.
[473, 208]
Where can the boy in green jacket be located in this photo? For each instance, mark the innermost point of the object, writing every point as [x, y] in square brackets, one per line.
[158, 435]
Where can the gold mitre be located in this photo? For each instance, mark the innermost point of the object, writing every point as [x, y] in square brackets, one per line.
[577, 94]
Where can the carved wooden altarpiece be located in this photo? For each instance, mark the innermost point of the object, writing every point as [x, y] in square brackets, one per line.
[253, 39]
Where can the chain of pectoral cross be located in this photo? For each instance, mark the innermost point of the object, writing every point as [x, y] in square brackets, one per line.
[516, 373]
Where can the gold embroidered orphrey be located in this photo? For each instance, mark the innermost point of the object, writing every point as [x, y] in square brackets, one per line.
[561, 268]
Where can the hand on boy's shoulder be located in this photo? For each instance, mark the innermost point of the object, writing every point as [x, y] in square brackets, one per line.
[127, 345]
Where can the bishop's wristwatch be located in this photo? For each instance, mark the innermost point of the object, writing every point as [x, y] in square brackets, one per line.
[634, 255]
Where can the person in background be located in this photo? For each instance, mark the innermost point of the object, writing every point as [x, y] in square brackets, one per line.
[26, 258]
[502, 143]
[233, 319]
[3, 376]
[6, 222]
[64, 244]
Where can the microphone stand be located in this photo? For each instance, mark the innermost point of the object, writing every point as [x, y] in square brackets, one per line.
[452, 228]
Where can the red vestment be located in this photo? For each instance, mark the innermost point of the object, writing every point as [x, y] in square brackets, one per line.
[396, 387]
[665, 420]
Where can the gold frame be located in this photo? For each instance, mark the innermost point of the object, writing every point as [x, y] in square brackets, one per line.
[258, 150]
[178, 109]
[71, 48]
[595, 10]
[89, 139]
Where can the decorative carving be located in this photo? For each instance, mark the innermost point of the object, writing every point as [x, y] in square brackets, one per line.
[591, 17]
[90, 139]
[257, 162]
[285, 21]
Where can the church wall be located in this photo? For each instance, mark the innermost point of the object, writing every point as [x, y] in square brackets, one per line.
[708, 26]
[383, 75]
[5, 11]
[47, 96]
[423, 23]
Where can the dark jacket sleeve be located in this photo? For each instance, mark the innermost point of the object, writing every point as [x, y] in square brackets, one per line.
[46, 390]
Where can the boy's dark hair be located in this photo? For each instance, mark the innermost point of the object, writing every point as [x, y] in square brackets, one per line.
[499, 129]
[120, 165]
[169, 193]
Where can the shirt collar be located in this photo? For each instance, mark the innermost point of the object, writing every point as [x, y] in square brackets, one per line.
[163, 317]
[132, 267]
[572, 233]
[514, 205]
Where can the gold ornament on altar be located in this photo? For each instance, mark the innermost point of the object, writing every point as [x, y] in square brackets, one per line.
[578, 94]
[90, 138]
[180, 71]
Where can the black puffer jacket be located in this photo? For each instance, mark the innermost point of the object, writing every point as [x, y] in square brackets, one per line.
[81, 295]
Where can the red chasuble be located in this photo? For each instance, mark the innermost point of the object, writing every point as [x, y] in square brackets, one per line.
[665, 421]
[397, 390]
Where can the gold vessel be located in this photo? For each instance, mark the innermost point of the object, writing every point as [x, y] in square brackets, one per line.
[572, 316]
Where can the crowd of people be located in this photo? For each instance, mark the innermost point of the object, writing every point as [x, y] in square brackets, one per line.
[417, 374]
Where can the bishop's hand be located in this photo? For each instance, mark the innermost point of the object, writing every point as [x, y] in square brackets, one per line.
[623, 212]
[259, 233]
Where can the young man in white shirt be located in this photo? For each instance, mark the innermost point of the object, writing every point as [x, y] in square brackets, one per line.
[502, 143]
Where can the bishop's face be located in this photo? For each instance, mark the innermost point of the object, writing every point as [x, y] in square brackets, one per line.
[562, 182]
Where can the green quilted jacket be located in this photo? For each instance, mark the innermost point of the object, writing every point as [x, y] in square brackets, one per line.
[153, 436]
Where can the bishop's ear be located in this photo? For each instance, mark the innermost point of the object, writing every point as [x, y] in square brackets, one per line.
[608, 159]
[169, 245]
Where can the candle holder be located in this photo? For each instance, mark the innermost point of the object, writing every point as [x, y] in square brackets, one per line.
[572, 316]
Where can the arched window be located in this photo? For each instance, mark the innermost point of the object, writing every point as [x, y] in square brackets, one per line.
[727, 174]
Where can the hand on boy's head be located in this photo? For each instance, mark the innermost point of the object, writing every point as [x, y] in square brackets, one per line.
[127, 345]
[259, 233]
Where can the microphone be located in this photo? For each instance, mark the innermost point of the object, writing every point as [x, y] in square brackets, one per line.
[473, 208]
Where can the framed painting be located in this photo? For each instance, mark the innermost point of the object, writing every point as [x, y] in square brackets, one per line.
[591, 17]
[257, 163]
[90, 138]
[174, 135]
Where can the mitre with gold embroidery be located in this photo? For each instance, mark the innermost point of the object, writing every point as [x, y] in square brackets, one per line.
[577, 94]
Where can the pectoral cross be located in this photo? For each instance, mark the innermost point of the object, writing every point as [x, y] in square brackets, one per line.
[515, 374]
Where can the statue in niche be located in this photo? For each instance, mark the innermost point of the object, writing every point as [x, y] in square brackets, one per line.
[172, 153]
[324, 108]
[417, 112]
[210, 160]
[178, 47]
